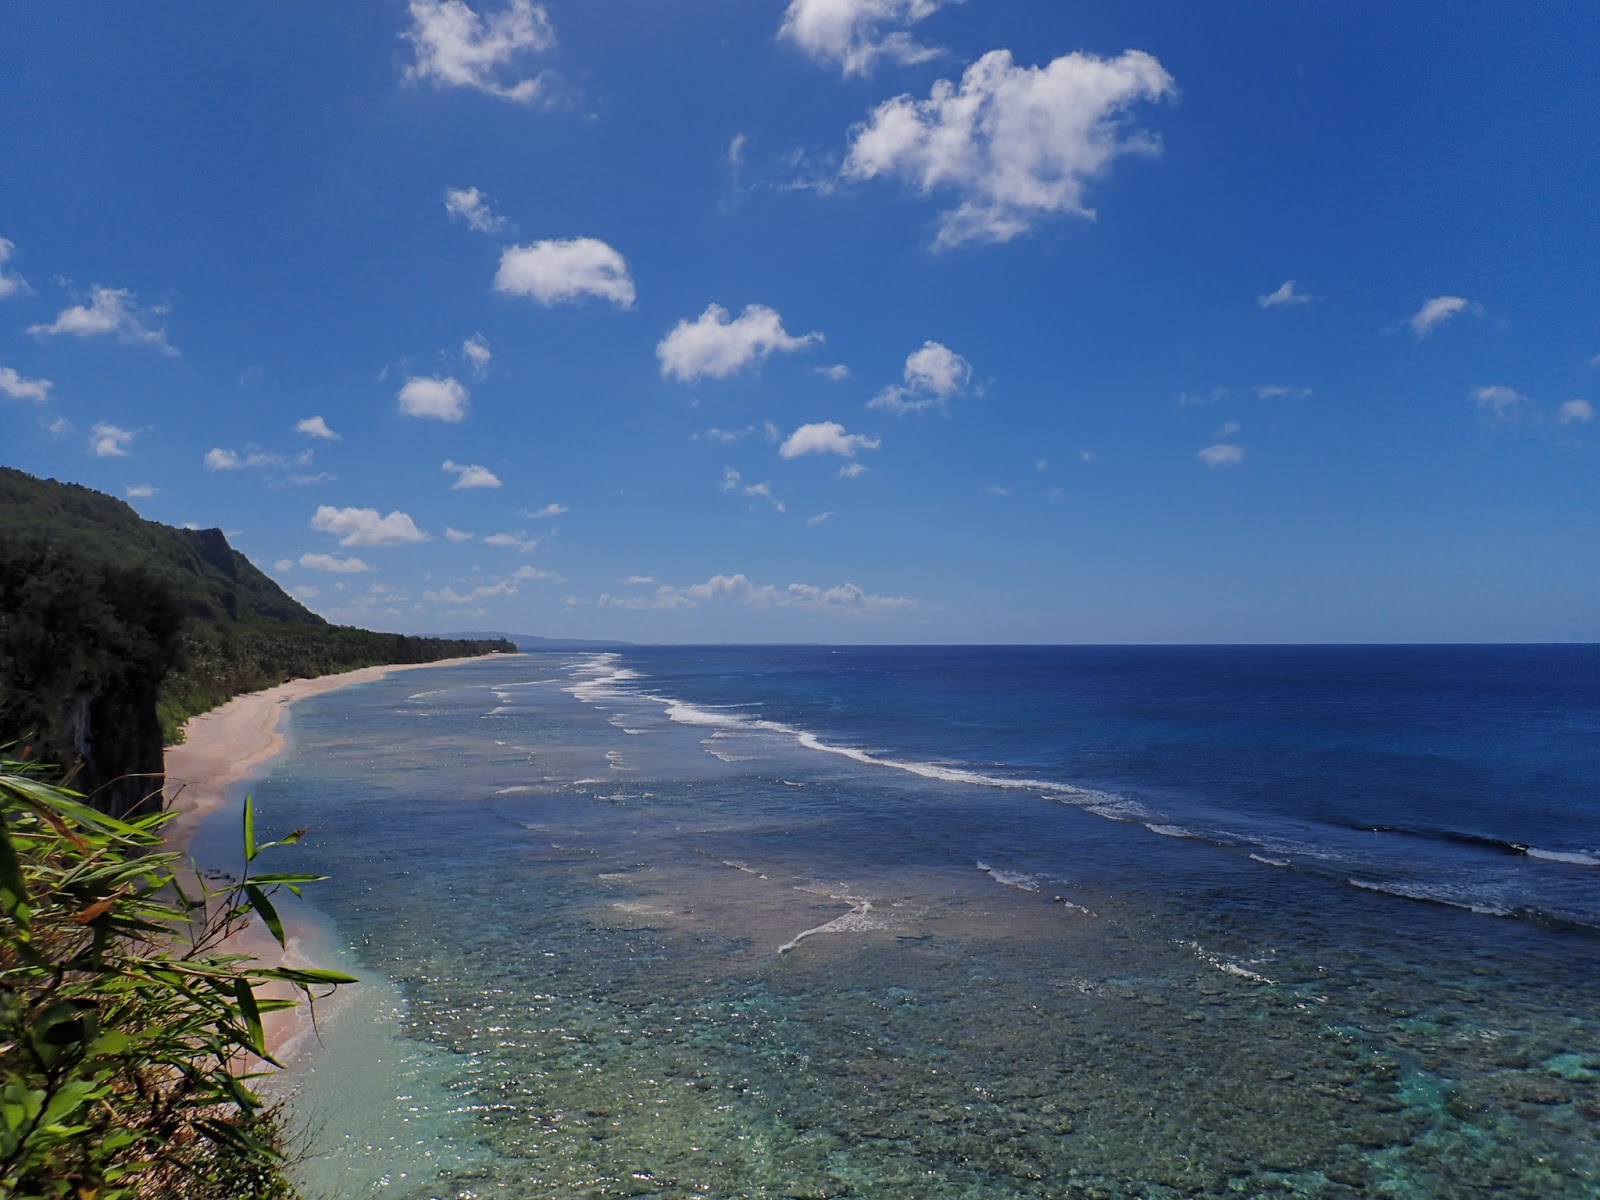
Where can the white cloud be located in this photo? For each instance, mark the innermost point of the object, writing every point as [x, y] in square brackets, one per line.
[1041, 464]
[472, 206]
[855, 34]
[283, 565]
[826, 437]
[10, 285]
[731, 479]
[316, 427]
[724, 436]
[1216, 394]
[1288, 295]
[822, 518]
[513, 541]
[470, 476]
[1277, 391]
[332, 562]
[449, 595]
[996, 489]
[853, 470]
[1227, 430]
[837, 373]
[456, 47]
[20, 388]
[113, 313]
[535, 573]
[58, 427]
[140, 491]
[253, 458]
[763, 491]
[1015, 145]
[108, 441]
[1575, 412]
[478, 355]
[1500, 403]
[565, 272]
[933, 375]
[843, 597]
[306, 592]
[442, 399]
[638, 580]
[364, 527]
[458, 535]
[1223, 454]
[545, 513]
[1435, 313]
[712, 346]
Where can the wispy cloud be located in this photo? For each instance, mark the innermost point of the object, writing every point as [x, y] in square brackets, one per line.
[19, 388]
[854, 35]
[11, 284]
[512, 541]
[545, 513]
[110, 441]
[1575, 412]
[1014, 145]
[713, 346]
[458, 535]
[843, 597]
[140, 491]
[457, 47]
[475, 350]
[472, 207]
[1223, 454]
[1288, 295]
[253, 458]
[111, 313]
[333, 563]
[1500, 403]
[1436, 312]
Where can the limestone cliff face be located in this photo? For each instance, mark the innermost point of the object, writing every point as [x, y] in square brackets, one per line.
[114, 740]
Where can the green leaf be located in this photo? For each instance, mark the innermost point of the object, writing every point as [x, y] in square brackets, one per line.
[13, 889]
[263, 907]
[250, 850]
[246, 997]
[307, 975]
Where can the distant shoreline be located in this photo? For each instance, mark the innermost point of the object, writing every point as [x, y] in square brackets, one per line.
[226, 746]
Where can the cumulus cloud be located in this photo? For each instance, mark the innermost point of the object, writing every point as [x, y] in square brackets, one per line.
[316, 427]
[426, 396]
[450, 596]
[364, 527]
[457, 47]
[140, 491]
[19, 388]
[472, 206]
[826, 437]
[1013, 145]
[332, 562]
[1223, 454]
[535, 573]
[458, 535]
[112, 313]
[853, 470]
[11, 284]
[478, 355]
[854, 34]
[836, 373]
[253, 458]
[1288, 295]
[1575, 412]
[470, 476]
[545, 513]
[565, 272]
[108, 441]
[1500, 403]
[1436, 312]
[843, 597]
[933, 375]
[715, 346]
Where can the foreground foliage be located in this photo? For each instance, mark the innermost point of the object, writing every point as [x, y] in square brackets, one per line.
[123, 1020]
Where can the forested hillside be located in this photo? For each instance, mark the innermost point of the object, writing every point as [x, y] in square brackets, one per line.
[114, 630]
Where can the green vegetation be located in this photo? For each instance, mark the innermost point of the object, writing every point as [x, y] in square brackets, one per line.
[122, 1022]
[114, 630]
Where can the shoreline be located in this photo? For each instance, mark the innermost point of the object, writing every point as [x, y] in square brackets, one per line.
[222, 749]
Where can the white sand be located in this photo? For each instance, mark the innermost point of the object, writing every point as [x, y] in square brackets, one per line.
[220, 749]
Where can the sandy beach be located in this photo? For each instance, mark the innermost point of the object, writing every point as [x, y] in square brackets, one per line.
[222, 748]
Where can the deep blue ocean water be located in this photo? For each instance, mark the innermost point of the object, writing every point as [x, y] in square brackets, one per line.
[957, 922]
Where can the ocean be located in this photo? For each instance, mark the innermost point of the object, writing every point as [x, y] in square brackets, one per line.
[927, 922]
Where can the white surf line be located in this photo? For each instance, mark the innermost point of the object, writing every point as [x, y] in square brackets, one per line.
[1223, 965]
[854, 921]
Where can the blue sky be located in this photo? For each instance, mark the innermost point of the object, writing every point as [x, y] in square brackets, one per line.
[827, 320]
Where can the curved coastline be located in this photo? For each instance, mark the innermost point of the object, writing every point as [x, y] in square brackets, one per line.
[223, 748]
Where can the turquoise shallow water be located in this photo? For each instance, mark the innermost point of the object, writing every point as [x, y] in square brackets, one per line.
[636, 927]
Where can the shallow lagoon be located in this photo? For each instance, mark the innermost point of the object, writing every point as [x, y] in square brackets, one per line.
[621, 946]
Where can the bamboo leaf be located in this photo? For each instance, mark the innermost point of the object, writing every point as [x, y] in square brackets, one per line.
[268, 914]
[250, 850]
